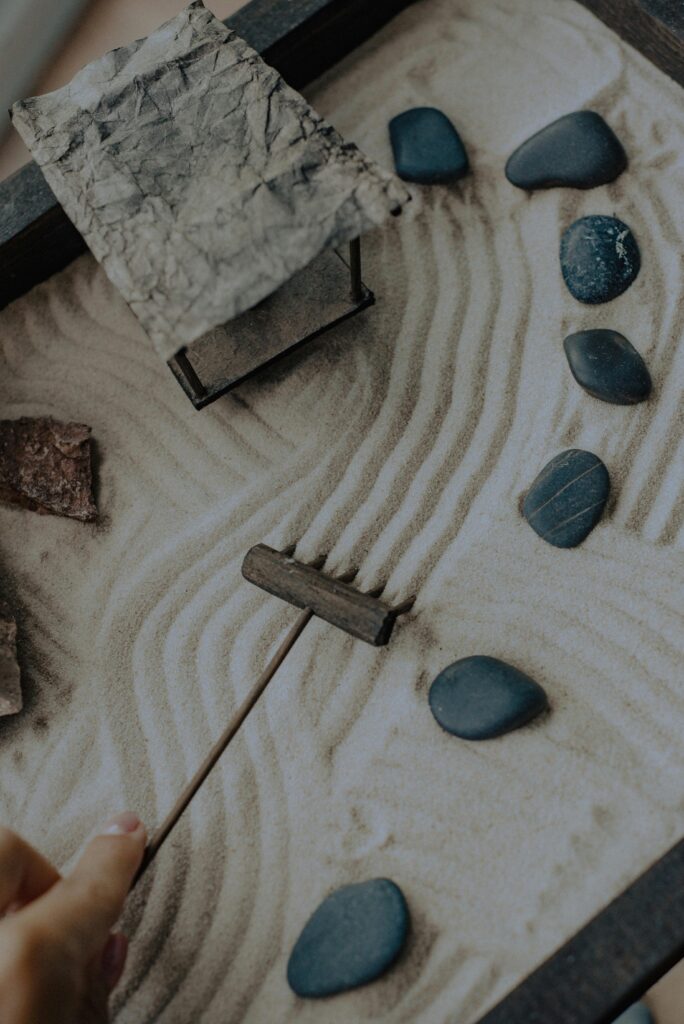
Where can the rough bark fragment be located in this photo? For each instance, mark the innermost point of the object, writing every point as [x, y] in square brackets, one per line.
[46, 466]
[198, 178]
[10, 677]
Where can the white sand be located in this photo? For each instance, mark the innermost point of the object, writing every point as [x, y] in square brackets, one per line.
[404, 443]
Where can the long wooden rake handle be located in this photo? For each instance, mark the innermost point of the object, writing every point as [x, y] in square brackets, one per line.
[160, 836]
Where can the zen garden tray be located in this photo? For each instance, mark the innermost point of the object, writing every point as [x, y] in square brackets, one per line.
[636, 936]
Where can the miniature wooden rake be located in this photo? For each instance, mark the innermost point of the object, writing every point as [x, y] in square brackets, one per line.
[363, 615]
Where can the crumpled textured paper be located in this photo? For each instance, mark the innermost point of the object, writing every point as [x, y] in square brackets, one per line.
[198, 178]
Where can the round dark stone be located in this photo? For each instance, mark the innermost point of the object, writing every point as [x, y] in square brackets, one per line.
[427, 148]
[578, 150]
[599, 258]
[478, 698]
[567, 499]
[637, 1014]
[351, 939]
[608, 366]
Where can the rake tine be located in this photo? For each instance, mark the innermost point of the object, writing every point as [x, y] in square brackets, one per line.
[348, 576]
[405, 606]
[377, 591]
[319, 562]
[289, 550]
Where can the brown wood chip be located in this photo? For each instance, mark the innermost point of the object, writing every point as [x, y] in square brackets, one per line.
[10, 684]
[45, 465]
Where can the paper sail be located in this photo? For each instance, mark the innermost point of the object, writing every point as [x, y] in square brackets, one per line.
[198, 178]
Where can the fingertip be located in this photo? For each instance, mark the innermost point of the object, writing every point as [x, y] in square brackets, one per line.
[124, 824]
[86, 904]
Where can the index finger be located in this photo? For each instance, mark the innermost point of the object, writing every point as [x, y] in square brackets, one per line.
[24, 873]
[85, 905]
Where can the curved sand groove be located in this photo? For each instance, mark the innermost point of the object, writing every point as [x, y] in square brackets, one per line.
[401, 444]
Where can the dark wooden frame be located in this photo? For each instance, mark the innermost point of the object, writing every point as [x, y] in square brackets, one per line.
[655, 27]
[639, 936]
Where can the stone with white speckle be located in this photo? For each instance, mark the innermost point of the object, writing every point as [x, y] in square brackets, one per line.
[599, 258]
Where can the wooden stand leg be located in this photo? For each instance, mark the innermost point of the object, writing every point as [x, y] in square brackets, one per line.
[188, 371]
[355, 270]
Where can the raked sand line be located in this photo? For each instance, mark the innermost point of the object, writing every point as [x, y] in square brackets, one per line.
[402, 443]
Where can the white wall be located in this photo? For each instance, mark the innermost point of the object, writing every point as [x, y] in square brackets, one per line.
[30, 31]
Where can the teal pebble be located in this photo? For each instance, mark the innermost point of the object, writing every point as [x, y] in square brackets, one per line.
[599, 258]
[427, 148]
[567, 499]
[608, 366]
[478, 698]
[637, 1014]
[352, 938]
[579, 150]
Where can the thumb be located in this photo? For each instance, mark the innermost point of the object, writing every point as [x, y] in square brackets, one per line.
[85, 905]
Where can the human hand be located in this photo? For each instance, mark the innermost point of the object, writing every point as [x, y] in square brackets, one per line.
[59, 960]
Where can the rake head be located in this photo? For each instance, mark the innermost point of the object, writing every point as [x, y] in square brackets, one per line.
[363, 615]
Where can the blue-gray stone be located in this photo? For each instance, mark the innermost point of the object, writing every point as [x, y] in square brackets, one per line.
[578, 150]
[351, 939]
[608, 366]
[480, 697]
[637, 1014]
[427, 148]
[599, 258]
[567, 499]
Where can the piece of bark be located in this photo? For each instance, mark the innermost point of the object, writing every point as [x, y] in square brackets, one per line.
[45, 466]
[10, 676]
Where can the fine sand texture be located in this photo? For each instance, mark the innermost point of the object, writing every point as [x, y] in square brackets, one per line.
[401, 444]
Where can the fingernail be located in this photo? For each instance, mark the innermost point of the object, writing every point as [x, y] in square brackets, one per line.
[121, 825]
[114, 959]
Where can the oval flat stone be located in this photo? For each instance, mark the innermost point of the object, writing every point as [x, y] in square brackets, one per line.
[480, 697]
[567, 499]
[637, 1014]
[599, 258]
[427, 148]
[578, 150]
[608, 366]
[351, 939]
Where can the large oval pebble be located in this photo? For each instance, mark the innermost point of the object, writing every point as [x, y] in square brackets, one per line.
[480, 697]
[427, 148]
[351, 939]
[599, 258]
[608, 366]
[567, 499]
[578, 150]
